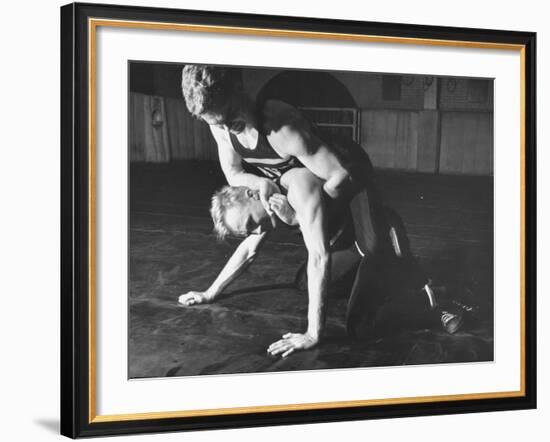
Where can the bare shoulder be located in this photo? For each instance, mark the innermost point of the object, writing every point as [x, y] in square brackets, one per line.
[303, 187]
[220, 134]
[288, 131]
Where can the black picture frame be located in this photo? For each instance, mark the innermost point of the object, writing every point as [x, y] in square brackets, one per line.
[75, 221]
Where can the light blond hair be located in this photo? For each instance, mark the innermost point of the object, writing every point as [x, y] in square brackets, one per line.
[222, 200]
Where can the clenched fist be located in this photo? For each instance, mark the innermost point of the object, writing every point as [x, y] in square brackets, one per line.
[279, 204]
[194, 298]
[266, 190]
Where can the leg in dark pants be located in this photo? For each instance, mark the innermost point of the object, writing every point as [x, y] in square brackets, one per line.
[387, 267]
[387, 295]
[367, 294]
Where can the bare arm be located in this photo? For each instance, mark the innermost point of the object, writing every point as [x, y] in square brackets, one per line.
[242, 257]
[231, 164]
[312, 221]
[319, 158]
[284, 211]
[294, 136]
[307, 199]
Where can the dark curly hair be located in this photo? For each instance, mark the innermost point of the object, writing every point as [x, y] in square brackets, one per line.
[208, 88]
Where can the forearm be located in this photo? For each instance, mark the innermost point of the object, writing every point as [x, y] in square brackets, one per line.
[338, 184]
[242, 178]
[229, 273]
[318, 271]
[231, 162]
[243, 256]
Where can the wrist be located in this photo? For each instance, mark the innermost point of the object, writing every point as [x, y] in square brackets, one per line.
[292, 220]
[210, 294]
[314, 336]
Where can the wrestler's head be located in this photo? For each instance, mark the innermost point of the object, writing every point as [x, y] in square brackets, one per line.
[215, 94]
[239, 211]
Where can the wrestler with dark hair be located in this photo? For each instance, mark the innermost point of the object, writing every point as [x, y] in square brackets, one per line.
[215, 95]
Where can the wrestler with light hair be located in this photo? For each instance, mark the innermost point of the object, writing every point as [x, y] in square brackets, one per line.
[326, 227]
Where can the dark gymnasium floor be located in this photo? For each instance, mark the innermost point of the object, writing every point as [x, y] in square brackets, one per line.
[172, 250]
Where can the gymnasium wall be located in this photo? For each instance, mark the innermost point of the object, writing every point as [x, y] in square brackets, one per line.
[407, 122]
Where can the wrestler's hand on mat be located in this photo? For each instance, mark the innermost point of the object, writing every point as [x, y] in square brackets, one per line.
[192, 298]
[279, 205]
[267, 188]
[292, 342]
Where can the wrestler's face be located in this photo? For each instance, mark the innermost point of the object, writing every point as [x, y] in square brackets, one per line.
[234, 116]
[249, 217]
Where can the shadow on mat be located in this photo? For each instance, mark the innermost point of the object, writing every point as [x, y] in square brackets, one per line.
[259, 288]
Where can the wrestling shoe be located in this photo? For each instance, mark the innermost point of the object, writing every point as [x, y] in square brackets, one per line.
[451, 321]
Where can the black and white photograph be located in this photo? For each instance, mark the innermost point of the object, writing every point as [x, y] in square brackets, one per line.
[285, 219]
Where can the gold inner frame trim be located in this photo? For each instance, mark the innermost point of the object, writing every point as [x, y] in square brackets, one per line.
[93, 24]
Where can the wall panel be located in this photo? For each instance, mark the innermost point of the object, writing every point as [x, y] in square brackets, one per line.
[391, 138]
[186, 138]
[467, 143]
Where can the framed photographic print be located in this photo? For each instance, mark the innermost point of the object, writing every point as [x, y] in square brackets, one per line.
[274, 220]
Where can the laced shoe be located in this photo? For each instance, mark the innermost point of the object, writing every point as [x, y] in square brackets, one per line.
[451, 321]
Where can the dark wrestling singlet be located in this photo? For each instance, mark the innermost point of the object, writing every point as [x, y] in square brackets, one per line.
[263, 158]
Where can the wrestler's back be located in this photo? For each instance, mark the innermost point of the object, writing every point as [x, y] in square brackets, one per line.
[327, 156]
